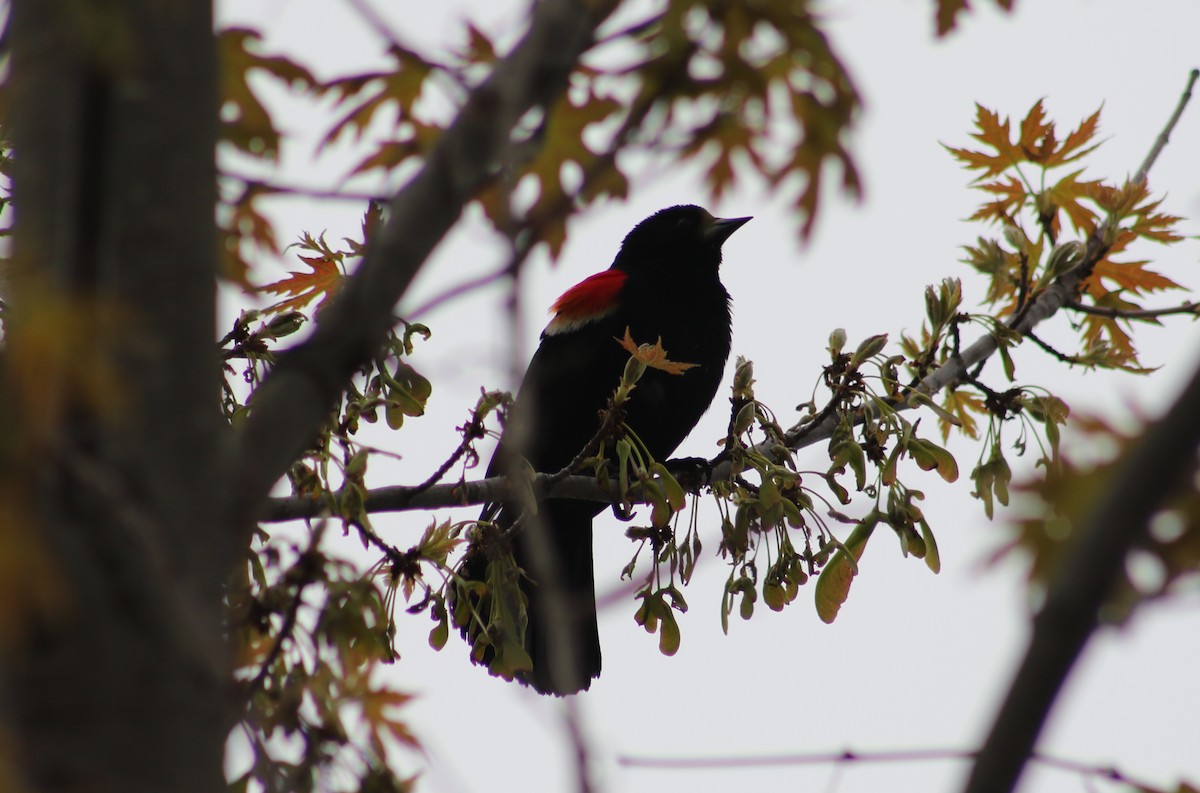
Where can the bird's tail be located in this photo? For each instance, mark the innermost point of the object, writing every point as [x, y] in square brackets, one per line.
[562, 637]
[560, 649]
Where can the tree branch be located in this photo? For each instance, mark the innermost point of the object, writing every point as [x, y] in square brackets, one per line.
[1084, 770]
[1164, 137]
[295, 399]
[1147, 313]
[953, 372]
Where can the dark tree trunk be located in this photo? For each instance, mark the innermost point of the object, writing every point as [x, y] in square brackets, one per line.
[120, 681]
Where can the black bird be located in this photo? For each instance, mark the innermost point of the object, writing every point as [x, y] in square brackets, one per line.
[663, 283]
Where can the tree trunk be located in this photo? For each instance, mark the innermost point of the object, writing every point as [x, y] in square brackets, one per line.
[117, 674]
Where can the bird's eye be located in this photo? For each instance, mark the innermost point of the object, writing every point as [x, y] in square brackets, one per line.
[686, 223]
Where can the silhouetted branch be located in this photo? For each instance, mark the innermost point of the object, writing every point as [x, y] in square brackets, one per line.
[870, 757]
[268, 188]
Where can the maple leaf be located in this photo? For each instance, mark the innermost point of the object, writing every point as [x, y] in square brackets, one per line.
[402, 86]
[479, 49]
[964, 406]
[726, 136]
[1037, 141]
[994, 133]
[562, 135]
[1108, 345]
[249, 126]
[1071, 148]
[438, 542]
[1157, 227]
[378, 706]
[653, 355]
[1132, 276]
[947, 14]
[1013, 196]
[324, 280]
[1066, 195]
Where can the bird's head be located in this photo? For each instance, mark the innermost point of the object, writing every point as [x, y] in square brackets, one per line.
[685, 238]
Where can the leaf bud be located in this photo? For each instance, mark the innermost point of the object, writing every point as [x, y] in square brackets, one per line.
[743, 377]
[284, 325]
[870, 346]
[1064, 258]
[1016, 238]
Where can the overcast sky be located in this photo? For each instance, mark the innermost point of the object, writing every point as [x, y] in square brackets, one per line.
[914, 661]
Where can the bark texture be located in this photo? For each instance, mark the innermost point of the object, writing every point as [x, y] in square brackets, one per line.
[123, 685]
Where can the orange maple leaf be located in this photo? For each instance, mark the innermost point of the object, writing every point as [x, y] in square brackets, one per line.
[1066, 195]
[1037, 141]
[653, 355]
[1131, 276]
[994, 133]
[1157, 227]
[1072, 148]
[324, 280]
[1012, 196]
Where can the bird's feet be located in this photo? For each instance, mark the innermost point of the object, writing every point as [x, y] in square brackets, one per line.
[692, 473]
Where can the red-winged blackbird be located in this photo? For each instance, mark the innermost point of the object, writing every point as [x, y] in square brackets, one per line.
[663, 283]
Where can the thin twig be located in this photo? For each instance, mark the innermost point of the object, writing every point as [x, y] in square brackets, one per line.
[1050, 349]
[579, 745]
[1146, 313]
[380, 25]
[815, 758]
[268, 188]
[472, 431]
[852, 756]
[458, 290]
[1165, 136]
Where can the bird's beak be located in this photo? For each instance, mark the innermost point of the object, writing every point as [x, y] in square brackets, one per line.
[721, 228]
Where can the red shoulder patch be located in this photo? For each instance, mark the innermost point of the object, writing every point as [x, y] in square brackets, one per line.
[590, 299]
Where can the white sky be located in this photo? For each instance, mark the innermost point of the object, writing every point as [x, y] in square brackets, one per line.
[914, 661]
